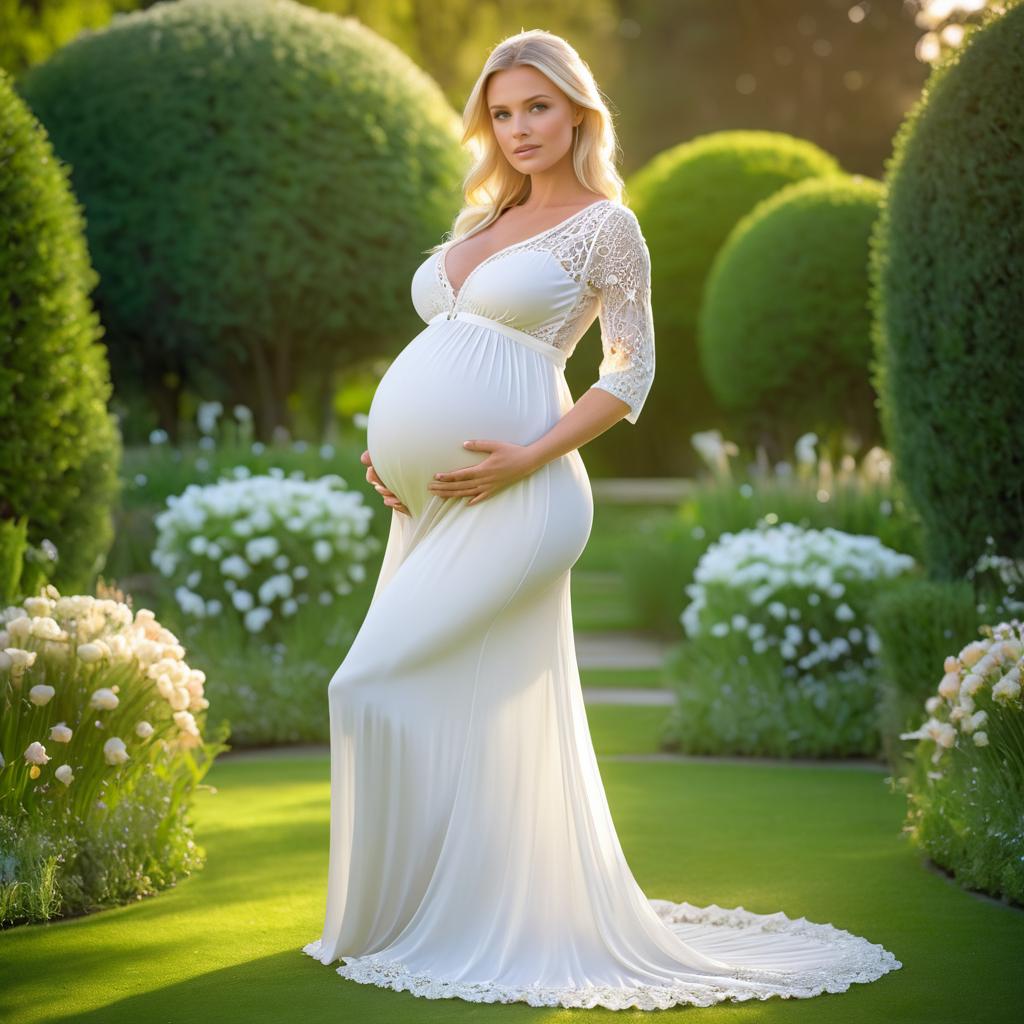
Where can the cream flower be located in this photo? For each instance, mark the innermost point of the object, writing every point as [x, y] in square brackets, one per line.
[144, 729]
[35, 753]
[105, 699]
[41, 694]
[981, 739]
[186, 722]
[973, 683]
[971, 653]
[950, 685]
[46, 628]
[64, 774]
[90, 652]
[115, 751]
[180, 698]
[1006, 690]
[20, 658]
[60, 733]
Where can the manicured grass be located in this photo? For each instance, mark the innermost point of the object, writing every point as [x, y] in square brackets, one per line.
[626, 729]
[633, 678]
[815, 841]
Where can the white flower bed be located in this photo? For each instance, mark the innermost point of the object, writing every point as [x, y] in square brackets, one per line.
[261, 546]
[781, 659]
[793, 590]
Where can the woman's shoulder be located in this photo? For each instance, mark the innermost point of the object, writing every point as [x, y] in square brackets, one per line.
[619, 228]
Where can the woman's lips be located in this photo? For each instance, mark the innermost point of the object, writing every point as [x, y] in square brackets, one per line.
[526, 152]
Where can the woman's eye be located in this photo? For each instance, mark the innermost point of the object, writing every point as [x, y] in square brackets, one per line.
[535, 105]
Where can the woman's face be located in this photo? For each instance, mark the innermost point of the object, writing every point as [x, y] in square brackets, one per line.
[527, 109]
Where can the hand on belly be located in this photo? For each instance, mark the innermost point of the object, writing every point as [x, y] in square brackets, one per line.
[504, 463]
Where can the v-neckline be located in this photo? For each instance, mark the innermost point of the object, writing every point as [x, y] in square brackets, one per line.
[442, 253]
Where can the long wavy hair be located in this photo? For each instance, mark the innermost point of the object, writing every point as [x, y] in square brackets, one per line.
[492, 184]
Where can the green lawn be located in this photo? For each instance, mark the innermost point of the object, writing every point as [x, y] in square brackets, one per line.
[822, 842]
[626, 729]
[635, 678]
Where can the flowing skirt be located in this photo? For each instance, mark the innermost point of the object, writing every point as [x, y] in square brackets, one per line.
[472, 850]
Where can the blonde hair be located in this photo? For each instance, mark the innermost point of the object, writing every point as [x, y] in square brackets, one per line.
[491, 184]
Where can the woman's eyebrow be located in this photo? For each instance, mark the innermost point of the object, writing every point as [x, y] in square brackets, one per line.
[527, 100]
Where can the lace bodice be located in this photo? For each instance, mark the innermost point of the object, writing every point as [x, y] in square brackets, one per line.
[552, 285]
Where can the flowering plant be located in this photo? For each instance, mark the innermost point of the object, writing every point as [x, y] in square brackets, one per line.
[260, 546]
[781, 658]
[981, 683]
[965, 784]
[100, 715]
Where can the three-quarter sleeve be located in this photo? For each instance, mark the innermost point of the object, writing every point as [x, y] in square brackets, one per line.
[621, 273]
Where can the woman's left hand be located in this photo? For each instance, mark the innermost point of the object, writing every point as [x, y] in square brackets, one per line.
[505, 464]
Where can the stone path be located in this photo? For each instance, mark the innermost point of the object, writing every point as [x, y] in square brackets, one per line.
[622, 650]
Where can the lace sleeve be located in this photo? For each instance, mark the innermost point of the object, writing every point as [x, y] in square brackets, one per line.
[621, 272]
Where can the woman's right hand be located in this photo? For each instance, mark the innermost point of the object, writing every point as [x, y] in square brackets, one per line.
[390, 498]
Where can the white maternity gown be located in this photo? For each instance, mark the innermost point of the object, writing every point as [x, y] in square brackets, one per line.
[472, 852]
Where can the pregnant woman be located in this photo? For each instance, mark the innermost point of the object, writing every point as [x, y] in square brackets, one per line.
[472, 852]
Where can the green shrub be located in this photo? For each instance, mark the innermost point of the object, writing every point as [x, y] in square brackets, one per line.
[250, 169]
[784, 330]
[688, 198]
[947, 271]
[32, 31]
[965, 783]
[855, 497]
[101, 750]
[780, 658]
[916, 621]
[61, 446]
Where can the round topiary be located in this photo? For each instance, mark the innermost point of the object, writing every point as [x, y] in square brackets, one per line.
[688, 199]
[785, 329]
[947, 272]
[260, 179]
[59, 445]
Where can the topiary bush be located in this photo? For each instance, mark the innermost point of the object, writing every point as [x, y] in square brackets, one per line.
[784, 326]
[250, 169]
[60, 446]
[947, 273]
[688, 199]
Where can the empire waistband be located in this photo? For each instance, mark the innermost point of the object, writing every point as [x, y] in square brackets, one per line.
[554, 355]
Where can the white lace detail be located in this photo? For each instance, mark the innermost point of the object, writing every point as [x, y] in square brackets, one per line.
[857, 961]
[621, 273]
[602, 248]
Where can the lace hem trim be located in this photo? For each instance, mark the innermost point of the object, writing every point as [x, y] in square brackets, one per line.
[860, 961]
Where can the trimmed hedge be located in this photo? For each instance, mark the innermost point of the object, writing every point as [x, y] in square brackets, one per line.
[688, 199]
[250, 169]
[60, 446]
[785, 328]
[947, 272]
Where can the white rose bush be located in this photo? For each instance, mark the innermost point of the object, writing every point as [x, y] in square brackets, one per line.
[780, 658]
[965, 784]
[256, 548]
[101, 747]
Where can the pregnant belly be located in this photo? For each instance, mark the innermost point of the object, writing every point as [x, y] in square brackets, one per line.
[455, 381]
